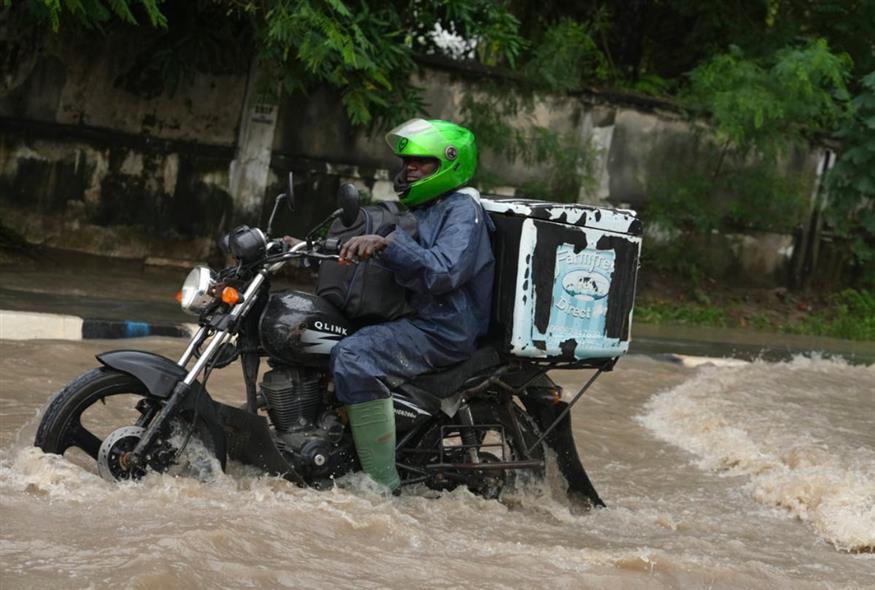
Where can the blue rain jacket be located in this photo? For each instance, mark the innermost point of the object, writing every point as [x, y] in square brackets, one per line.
[448, 270]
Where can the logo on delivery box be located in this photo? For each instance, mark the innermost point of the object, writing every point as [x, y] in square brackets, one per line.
[585, 286]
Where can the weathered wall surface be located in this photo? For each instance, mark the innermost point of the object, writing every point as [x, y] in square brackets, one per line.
[102, 86]
[111, 199]
[93, 159]
[87, 163]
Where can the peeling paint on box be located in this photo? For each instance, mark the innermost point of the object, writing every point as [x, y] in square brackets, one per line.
[576, 270]
[615, 220]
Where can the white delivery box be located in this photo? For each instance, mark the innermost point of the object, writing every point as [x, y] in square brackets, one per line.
[564, 280]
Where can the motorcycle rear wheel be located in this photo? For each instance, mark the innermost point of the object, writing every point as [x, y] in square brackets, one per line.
[490, 484]
[61, 427]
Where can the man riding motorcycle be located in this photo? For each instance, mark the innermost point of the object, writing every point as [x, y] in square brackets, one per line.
[443, 389]
[447, 270]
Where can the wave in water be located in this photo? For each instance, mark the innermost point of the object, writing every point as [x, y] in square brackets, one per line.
[800, 430]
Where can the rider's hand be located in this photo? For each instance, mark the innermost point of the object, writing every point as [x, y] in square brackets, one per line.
[362, 247]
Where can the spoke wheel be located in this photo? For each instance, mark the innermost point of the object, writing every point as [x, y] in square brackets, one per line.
[85, 415]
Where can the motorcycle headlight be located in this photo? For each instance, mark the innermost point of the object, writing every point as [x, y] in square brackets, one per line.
[196, 290]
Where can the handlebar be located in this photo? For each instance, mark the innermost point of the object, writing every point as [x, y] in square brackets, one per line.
[319, 250]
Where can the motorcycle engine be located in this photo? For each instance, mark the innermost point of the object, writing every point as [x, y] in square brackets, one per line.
[307, 431]
[293, 397]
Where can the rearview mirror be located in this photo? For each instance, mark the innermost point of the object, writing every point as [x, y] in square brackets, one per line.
[348, 202]
[290, 195]
[225, 244]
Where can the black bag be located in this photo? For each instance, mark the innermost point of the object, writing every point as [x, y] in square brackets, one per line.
[366, 292]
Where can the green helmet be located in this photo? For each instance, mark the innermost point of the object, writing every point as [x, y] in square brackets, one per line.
[451, 145]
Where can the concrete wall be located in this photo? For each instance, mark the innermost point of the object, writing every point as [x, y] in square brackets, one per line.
[88, 84]
[90, 159]
[86, 163]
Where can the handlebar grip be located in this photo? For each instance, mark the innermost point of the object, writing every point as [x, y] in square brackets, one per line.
[332, 246]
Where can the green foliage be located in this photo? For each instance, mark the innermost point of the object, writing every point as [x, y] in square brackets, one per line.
[202, 38]
[851, 211]
[570, 166]
[501, 120]
[498, 39]
[765, 107]
[682, 313]
[745, 196]
[678, 256]
[652, 84]
[93, 13]
[850, 314]
[759, 111]
[364, 49]
[566, 58]
[310, 42]
[491, 114]
[686, 203]
[765, 199]
[849, 26]
[485, 30]
[767, 74]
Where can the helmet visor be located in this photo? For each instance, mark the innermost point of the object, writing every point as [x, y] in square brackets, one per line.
[416, 137]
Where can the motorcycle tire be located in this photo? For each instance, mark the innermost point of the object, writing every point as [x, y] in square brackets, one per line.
[489, 412]
[61, 425]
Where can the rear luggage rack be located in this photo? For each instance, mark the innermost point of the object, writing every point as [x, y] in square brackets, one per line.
[464, 432]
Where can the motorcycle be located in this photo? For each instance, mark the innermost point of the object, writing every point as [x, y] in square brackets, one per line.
[479, 424]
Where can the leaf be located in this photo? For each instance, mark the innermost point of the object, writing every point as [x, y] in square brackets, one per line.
[339, 7]
[122, 10]
[865, 184]
[855, 155]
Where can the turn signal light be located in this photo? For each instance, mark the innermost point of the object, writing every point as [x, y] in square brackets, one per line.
[179, 296]
[230, 295]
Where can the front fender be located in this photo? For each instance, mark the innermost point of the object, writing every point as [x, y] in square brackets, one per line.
[540, 403]
[160, 375]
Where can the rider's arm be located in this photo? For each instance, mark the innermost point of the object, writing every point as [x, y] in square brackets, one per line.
[451, 262]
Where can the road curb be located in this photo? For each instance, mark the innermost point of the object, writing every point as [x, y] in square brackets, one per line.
[27, 325]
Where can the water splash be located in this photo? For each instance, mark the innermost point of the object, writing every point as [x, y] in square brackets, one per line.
[776, 424]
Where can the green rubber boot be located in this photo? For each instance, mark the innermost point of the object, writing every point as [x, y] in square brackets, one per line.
[373, 430]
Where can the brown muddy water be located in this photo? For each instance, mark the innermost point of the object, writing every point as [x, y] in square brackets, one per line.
[727, 475]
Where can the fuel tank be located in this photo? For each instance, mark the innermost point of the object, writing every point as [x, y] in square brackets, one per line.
[301, 328]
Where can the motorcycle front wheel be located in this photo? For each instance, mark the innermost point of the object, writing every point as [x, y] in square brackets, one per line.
[102, 415]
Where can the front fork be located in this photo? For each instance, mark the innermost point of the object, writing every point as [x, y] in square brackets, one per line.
[139, 457]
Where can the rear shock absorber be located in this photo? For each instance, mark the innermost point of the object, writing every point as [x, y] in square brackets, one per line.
[469, 433]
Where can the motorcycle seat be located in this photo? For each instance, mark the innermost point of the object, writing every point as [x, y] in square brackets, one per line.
[445, 382]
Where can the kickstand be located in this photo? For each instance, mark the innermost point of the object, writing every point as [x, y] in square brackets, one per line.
[564, 412]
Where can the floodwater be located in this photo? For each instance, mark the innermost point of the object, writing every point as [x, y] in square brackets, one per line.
[727, 475]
